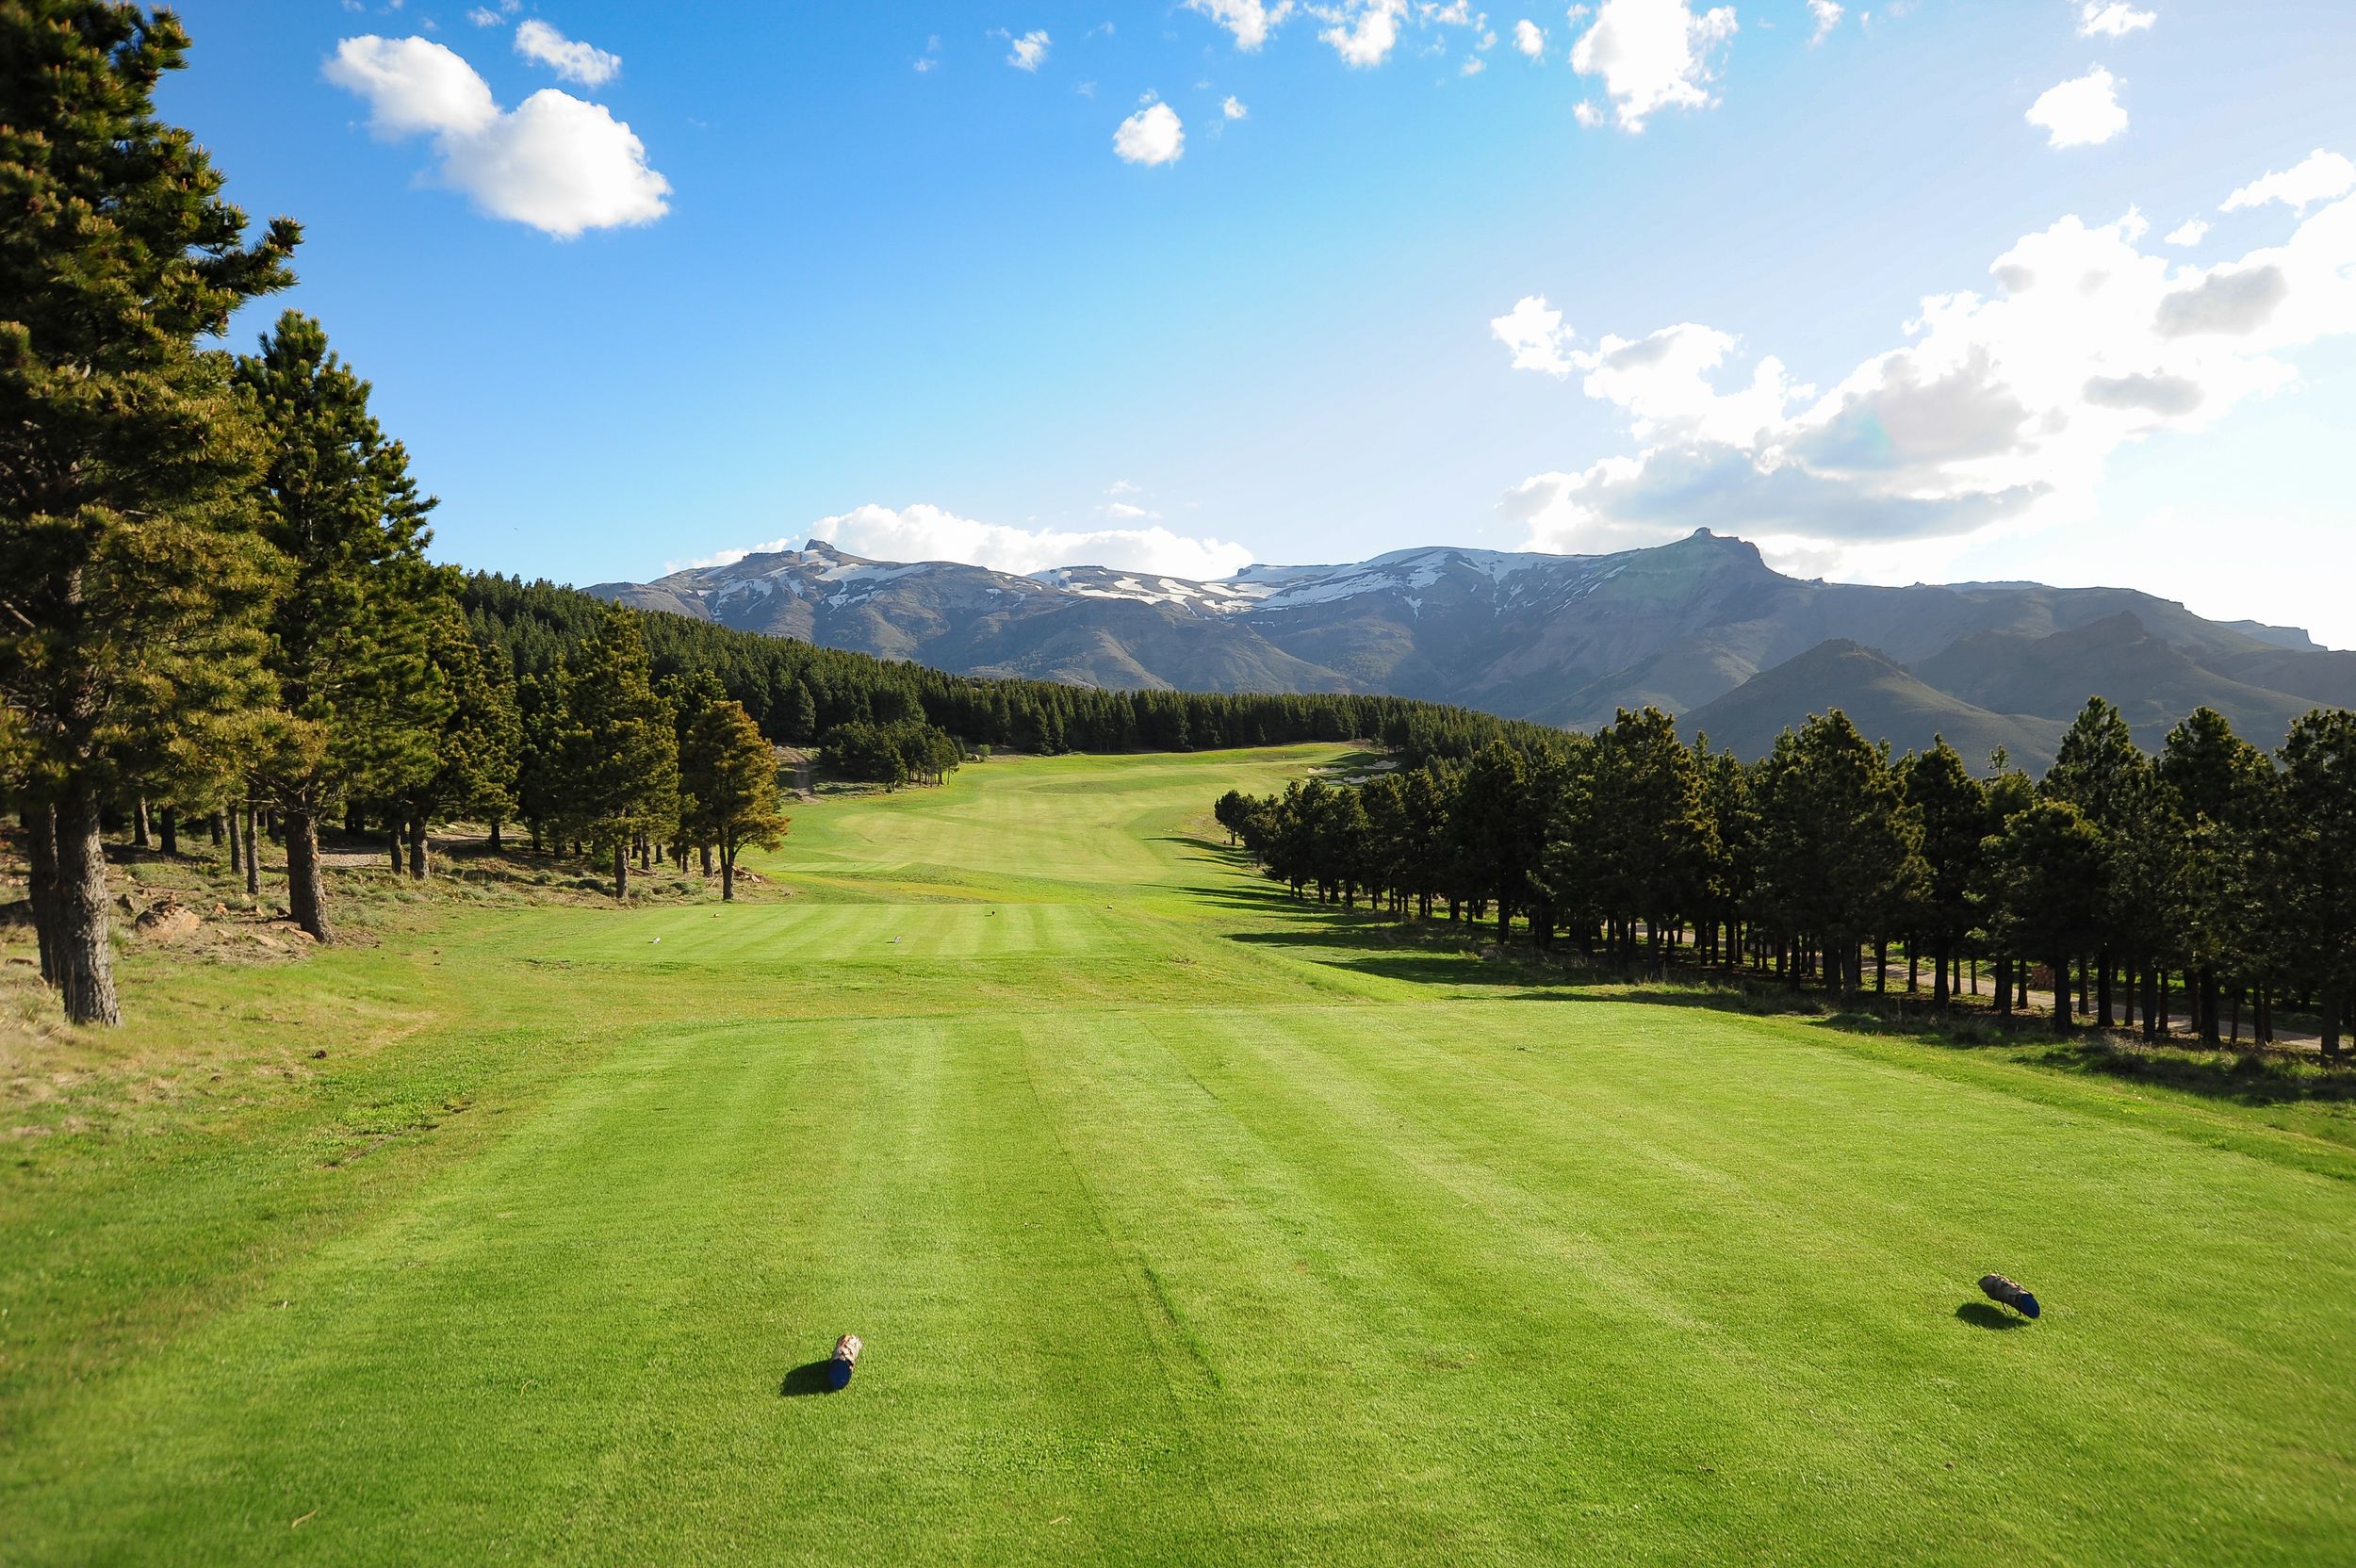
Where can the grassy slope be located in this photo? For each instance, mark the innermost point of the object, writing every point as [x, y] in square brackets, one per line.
[1181, 1224]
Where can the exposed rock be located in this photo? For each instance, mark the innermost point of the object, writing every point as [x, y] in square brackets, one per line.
[168, 921]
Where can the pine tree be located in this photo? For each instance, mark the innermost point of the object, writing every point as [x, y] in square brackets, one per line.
[618, 753]
[359, 703]
[2154, 875]
[2221, 786]
[2100, 770]
[542, 797]
[1644, 830]
[1732, 878]
[476, 748]
[1843, 848]
[729, 785]
[685, 694]
[130, 581]
[2316, 848]
[801, 719]
[2042, 888]
[1498, 837]
[2010, 792]
[1954, 808]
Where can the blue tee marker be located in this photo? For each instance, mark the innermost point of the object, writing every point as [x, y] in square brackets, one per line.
[845, 1357]
[1998, 1288]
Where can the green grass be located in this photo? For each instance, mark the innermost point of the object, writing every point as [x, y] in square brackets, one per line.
[1182, 1224]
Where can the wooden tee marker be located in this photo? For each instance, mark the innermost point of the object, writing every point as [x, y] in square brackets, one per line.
[847, 1351]
[1997, 1288]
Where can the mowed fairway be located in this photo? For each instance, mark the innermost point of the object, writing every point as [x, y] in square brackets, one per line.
[1183, 1225]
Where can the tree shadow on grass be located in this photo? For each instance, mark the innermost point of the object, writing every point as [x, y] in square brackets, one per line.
[816, 1377]
[1987, 1314]
[1209, 847]
[1461, 955]
[2246, 1078]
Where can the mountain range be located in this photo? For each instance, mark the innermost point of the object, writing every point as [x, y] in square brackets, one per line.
[1702, 628]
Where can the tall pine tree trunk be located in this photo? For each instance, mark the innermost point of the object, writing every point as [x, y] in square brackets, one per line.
[496, 845]
[219, 825]
[77, 944]
[168, 830]
[306, 896]
[417, 848]
[253, 862]
[727, 873]
[2061, 995]
[138, 824]
[41, 850]
[621, 866]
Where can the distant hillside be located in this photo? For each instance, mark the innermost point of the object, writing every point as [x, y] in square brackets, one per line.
[1883, 700]
[2153, 682]
[1563, 640]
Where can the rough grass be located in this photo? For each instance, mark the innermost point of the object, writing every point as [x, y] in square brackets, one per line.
[1181, 1225]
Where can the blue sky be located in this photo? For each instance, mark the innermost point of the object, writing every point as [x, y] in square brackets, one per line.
[936, 311]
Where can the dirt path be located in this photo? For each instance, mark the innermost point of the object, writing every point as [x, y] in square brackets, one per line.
[2285, 1039]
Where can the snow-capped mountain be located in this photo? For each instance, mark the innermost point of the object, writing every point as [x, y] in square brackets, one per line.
[1561, 639]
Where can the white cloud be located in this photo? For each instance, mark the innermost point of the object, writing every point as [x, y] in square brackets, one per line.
[1154, 135]
[1530, 39]
[1363, 32]
[1534, 331]
[1029, 52]
[482, 16]
[2081, 112]
[2320, 177]
[1232, 108]
[574, 62]
[413, 85]
[2111, 19]
[1653, 55]
[1828, 17]
[554, 162]
[1587, 114]
[924, 533]
[1662, 380]
[2192, 231]
[1474, 65]
[1998, 413]
[1248, 20]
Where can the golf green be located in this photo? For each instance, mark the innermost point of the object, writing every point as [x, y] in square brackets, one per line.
[1182, 1224]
